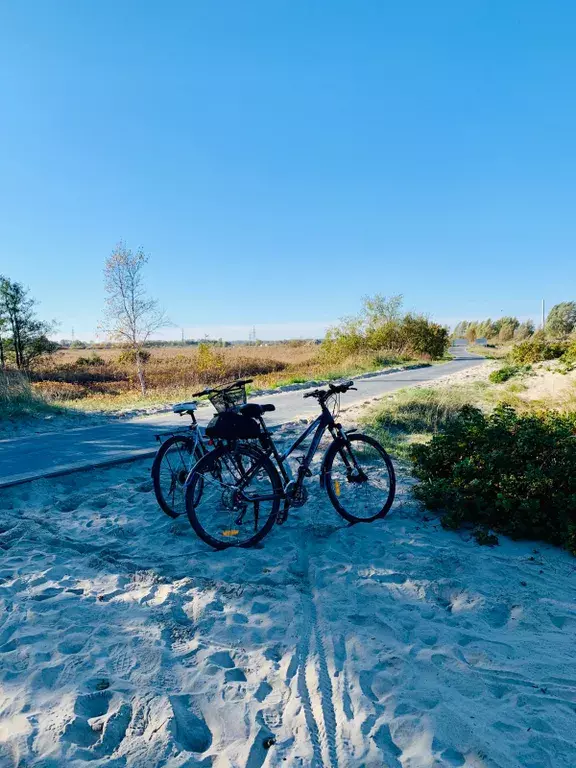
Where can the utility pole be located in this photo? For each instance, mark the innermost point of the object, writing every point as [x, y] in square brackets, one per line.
[543, 314]
[182, 335]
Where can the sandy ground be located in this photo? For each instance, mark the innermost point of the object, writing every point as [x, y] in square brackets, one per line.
[125, 641]
[546, 384]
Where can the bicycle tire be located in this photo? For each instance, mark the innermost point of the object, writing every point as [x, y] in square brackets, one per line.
[334, 491]
[195, 454]
[211, 469]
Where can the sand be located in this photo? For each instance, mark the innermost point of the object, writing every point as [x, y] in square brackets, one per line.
[125, 641]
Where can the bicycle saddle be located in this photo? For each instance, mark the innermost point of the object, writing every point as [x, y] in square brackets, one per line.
[253, 410]
[184, 407]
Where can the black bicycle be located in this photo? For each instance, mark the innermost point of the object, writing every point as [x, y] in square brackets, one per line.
[181, 448]
[245, 480]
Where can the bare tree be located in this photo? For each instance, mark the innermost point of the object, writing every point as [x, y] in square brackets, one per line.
[131, 316]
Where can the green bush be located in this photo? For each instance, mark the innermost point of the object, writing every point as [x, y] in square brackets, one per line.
[535, 350]
[507, 372]
[505, 472]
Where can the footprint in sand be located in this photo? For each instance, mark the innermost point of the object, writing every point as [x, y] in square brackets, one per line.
[72, 644]
[390, 751]
[92, 704]
[234, 676]
[221, 659]
[188, 726]
[264, 689]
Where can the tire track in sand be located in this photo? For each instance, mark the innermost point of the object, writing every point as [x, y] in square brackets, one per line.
[314, 680]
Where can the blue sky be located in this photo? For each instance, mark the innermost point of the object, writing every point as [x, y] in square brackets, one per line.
[279, 159]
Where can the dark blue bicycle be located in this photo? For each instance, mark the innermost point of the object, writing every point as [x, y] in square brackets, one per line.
[236, 493]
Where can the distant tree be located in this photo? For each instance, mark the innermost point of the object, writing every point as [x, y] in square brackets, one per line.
[24, 336]
[561, 319]
[460, 329]
[524, 330]
[131, 316]
[471, 333]
[506, 332]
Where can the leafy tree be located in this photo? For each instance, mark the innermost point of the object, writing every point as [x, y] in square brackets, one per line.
[131, 316]
[561, 319]
[26, 336]
[378, 309]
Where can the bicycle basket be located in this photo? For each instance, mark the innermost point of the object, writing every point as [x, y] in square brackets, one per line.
[226, 399]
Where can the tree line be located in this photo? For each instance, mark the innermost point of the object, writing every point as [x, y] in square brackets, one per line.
[560, 323]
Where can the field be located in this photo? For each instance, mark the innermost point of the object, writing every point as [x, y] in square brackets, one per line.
[105, 379]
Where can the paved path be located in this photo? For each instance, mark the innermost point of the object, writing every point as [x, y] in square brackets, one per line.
[54, 453]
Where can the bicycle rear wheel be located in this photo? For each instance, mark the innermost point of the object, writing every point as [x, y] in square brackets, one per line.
[240, 499]
[359, 479]
[172, 464]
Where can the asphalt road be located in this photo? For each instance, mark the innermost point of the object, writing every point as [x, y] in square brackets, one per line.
[29, 458]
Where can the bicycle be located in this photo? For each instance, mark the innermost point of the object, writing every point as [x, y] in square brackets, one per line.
[243, 482]
[179, 453]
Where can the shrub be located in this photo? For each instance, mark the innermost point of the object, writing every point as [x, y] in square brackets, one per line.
[128, 356]
[59, 390]
[535, 350]
[505, 472]
[381, 327]
[94, 359]
[507, 372]
[569, 356]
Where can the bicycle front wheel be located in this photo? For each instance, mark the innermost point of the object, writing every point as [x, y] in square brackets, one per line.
[240, 499]
[172, 464]
[359, 479]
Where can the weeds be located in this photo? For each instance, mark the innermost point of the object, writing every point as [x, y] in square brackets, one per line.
[507, 372]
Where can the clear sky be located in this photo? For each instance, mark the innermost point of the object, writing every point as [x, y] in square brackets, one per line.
[278, 159]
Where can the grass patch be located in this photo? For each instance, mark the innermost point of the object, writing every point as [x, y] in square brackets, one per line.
[414, 415]
[19, 401]
[508, 372]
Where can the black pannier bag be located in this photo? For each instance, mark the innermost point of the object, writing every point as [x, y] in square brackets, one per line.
[230, 425]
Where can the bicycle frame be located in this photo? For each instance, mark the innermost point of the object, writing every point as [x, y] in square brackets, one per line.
[319, 426]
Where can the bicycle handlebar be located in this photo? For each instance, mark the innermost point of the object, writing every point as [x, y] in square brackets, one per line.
[333, 389]
[225, 388]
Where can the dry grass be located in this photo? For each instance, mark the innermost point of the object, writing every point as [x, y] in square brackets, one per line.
[17, 398]
[290, 353]
[97, 380]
